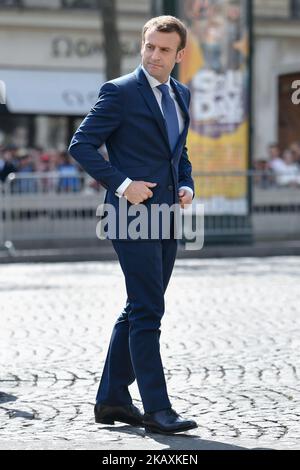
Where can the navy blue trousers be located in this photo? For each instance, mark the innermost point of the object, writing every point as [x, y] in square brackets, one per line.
[134, 349]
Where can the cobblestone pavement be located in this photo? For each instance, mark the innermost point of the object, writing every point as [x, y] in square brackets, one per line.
[230, 345]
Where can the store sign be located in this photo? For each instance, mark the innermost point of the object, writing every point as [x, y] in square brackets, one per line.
[77, 99]
[64, 46]
[51, 91]
[42, 48]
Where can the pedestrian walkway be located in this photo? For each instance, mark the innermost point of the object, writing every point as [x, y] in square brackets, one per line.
[230, 346]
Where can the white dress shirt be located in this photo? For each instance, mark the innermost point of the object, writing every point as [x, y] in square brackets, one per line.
[158, 95]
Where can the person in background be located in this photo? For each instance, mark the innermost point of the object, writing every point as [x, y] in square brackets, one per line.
[25, 166]
[289, 174]
[262, 177]
[69, 178]
[295, 148]
[275, 162]
[46, 164]
[6, 167]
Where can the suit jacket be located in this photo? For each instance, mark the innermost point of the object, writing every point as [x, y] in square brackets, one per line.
[127, 118]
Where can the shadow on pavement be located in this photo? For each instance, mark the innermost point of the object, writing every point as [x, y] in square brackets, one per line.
[5, 397]
[180, 441]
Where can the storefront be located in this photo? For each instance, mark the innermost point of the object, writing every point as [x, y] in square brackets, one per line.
[276, 67]
[53, 65]
[44, 106]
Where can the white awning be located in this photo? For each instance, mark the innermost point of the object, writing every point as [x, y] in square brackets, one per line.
[51, 92]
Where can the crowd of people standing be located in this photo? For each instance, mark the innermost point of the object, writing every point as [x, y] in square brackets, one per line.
[28, 162]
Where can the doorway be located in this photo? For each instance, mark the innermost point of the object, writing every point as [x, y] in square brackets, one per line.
[288, 112]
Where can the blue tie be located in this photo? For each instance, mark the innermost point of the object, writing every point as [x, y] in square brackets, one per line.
[170, 114]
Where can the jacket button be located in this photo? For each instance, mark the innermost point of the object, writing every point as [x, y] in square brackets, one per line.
[170, 187]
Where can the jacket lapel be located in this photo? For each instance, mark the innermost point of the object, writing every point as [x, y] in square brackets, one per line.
[181, 102]
[180, 99]
[150, 99]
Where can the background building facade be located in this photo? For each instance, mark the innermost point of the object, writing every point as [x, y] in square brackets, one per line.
[276, 65]
[52, 59]
[54, 51]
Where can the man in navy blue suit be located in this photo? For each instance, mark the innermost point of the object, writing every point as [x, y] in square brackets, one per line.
[143, 119]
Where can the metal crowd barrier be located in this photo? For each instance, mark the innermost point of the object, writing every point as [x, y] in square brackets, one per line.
[47, 207]
[257, 202]
[41, 209]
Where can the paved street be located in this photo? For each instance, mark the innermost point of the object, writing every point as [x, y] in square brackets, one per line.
[230, 345]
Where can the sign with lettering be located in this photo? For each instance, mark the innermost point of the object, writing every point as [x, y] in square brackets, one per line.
[216, 70]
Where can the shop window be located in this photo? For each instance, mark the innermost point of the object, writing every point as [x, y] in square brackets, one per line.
[289, 115]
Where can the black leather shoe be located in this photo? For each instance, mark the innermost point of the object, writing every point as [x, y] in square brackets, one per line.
[167, 422]
[106, 414]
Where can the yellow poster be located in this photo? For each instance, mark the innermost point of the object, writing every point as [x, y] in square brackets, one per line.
[215, 68]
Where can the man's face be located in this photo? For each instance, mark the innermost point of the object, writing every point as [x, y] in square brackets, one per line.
[160, 53]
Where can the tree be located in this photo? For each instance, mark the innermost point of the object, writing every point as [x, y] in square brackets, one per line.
[112, 45]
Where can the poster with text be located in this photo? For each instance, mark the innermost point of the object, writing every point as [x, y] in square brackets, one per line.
[216, 70]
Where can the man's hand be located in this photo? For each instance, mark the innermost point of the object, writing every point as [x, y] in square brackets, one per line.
[139, 191]
[185, 197]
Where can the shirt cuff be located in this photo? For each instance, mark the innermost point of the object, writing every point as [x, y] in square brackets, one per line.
[122, 188]
[188, 189]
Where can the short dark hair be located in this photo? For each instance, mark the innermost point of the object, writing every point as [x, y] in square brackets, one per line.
[167, 24]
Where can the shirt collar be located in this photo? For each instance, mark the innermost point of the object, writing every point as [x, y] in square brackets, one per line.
[152, 81]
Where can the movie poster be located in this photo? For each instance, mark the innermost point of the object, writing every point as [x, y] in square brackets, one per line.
[216, 70]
